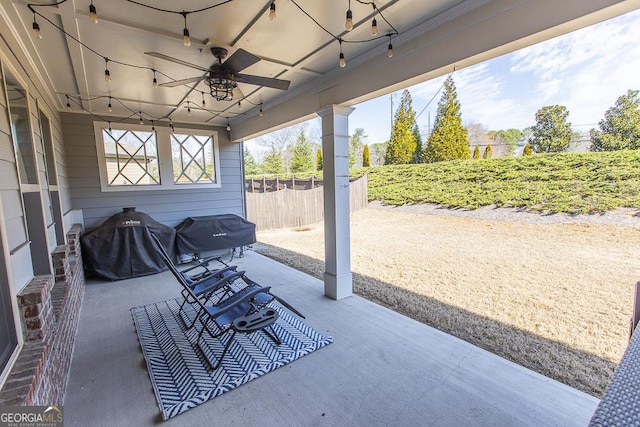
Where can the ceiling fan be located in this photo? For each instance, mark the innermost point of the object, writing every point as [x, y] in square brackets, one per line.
[223, 77]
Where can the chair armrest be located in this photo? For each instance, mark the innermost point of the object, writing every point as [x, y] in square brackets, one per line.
[208, 285]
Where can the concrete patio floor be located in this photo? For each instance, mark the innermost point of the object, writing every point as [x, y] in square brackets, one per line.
[382, 369]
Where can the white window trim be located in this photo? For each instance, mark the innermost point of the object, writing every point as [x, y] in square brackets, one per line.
[165, 163]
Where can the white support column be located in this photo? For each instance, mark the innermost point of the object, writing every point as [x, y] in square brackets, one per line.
[337, 236]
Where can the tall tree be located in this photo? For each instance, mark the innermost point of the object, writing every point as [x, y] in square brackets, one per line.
[417, 154]
[273, 163]
[319, 159]
[620, 128]
[402, 145]
[448, 140]
[476, 153]
[251, 167]
[552, 132]
[302, 160]
[366, 161]
[355, 146]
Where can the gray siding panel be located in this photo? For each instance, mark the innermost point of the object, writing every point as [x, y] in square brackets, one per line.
[167, 206]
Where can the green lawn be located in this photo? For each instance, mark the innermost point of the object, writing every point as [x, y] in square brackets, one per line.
[563, 182]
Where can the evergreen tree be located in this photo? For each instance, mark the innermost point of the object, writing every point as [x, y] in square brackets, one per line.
[448, 140]
[273, 163]
[319, 159]
[527, 150]
[620, 128]
[552, 133]
[488, 152]
[366, 161]
[302, 160]
[251, 167]
[402, 145]
[417, 154]
[476, 153]
[355, 146]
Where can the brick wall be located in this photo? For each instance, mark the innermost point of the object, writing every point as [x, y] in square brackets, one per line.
[49, 309]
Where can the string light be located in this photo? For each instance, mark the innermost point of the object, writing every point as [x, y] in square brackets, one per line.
[228, 126]
[93, 15]
[109, 127]
[109, 109]
[107, 74]
[155, 81]
[261, 113]
[342, 62]
[36, 28]
[141, 121]
[68, 103]
[348, 24]
[171, 125]
[272, 10]
[188, 109]
[374, 23]
[204, 104]
[153, 126]
[390, 48]
[186, 40]
[239, 105]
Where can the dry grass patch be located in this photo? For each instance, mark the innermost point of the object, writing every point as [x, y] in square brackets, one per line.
[555, 298]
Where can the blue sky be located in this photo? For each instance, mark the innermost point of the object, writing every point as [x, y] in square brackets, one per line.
[586, 71]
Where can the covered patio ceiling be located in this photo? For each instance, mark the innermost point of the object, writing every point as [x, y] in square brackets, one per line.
[301, 45]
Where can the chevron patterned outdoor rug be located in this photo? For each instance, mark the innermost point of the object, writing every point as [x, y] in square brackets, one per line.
[181, 377]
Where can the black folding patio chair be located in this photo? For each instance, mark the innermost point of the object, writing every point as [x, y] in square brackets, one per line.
[240, 306]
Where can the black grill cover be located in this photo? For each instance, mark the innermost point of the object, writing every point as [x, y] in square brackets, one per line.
[122, 246]
[214, 232]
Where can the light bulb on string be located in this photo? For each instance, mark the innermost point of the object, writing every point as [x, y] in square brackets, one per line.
[107, 74]
[93, 15]
[374, 27]
[154, 83]
[109, 127]
[109, 109]
[239, 105]
[228, 126]
[36, 28]
[348, 24]
[186, 39]
[171, 125]
[343, 61]
[204, 104]
[153, 126]
[68, 103]
[272, 10]
[141, 121]
[188, 109]
[390, 49]
[261, 112]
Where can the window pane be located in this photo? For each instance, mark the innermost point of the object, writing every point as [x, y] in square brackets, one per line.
[193, 159]
[131, 157]
[21, 130]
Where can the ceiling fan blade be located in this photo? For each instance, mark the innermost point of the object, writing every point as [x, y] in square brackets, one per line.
[182, 82]
[177, 61]
[263, 81]
[240, 60]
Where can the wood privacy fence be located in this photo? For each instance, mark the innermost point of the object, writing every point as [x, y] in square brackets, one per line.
[280, 206]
